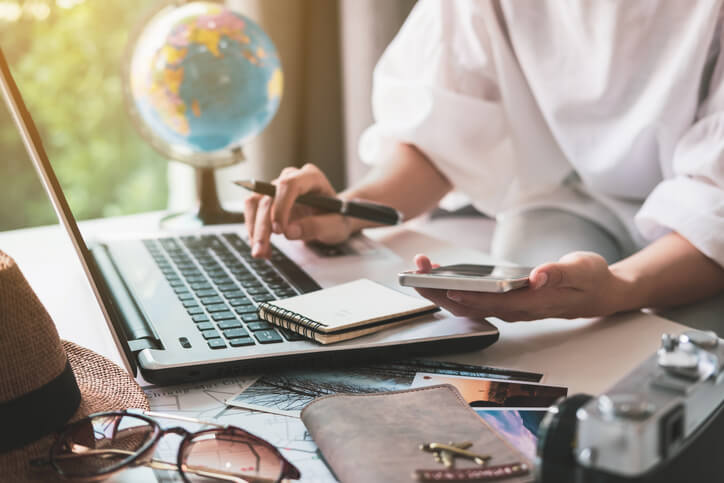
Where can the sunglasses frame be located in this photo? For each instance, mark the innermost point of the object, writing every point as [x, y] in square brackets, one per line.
[144, 454]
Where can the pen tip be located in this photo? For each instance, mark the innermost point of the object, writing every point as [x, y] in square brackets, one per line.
[248, 184]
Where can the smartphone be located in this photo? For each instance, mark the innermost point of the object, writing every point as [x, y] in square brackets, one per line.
[474, 278]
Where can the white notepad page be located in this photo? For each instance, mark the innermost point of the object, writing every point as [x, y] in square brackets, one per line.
[352, 304]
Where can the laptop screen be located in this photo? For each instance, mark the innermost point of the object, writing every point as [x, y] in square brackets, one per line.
[34, 146]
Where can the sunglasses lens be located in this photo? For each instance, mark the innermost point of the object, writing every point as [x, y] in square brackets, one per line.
[100, 444]
[230, 452]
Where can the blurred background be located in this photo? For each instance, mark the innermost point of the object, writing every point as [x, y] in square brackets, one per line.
[66, 56]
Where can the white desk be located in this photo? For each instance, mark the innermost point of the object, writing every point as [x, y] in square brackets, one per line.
[586, 355]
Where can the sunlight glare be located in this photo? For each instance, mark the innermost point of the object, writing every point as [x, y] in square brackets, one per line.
[10, 11]
[37, 9]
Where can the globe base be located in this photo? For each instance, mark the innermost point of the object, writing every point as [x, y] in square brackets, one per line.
[209, 211]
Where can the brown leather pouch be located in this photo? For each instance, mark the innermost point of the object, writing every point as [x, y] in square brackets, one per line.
[377, 437]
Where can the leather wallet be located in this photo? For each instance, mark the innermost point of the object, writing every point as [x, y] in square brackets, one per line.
[377, 436]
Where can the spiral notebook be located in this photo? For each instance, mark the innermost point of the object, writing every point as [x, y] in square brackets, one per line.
[345, 311]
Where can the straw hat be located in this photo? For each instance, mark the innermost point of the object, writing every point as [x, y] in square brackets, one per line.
[46, 382]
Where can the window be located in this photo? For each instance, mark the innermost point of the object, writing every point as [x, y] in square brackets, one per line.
[66, 56]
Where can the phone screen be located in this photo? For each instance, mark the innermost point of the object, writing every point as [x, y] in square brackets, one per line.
[487, 271]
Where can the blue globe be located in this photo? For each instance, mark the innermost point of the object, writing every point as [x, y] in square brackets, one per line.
[202, 81]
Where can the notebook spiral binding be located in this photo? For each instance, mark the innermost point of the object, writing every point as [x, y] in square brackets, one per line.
[290, 320]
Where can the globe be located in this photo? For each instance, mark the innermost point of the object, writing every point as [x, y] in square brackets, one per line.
[201, 80]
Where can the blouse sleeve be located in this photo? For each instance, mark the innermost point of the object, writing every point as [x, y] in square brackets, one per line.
[435, 88]
[691, 200]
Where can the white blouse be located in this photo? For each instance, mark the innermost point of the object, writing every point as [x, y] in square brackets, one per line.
[611, 90]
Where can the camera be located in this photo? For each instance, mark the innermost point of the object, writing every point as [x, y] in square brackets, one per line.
[661, 423]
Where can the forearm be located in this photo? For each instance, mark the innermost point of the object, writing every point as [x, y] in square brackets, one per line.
[669, 272]
[407, 181]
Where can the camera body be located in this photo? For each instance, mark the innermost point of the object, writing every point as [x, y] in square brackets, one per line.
[663, 422]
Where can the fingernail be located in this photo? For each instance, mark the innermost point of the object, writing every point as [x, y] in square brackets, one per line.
[276, 227]
[294, 231]
[256, 251]
[542, 280]
[455, 297]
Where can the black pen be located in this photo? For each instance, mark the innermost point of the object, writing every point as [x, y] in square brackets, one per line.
[364, 210]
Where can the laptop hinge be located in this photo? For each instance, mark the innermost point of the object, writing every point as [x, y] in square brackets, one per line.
[137, 345]
[136, 329]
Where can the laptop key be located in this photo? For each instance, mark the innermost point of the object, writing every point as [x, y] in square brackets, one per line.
[240, 342]
[234, 333]
[185, 296]
[264, 298]
[221, 278]
[226, 287]
[201, 286]
[251, 283]
[205, 326]
[291, 336]
[250, 317]
[267, 337]
[229, 324]
[217, 307]
[210, 334]
[245, 309]
[259, 325]
[212, 300]
[235, 302]
[223, 316]
[190, 303]
[257, 290]
[217, 344]
[200, 318]
[206, 293]
[233, 294]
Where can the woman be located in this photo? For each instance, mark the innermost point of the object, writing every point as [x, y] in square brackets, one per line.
[593, 131]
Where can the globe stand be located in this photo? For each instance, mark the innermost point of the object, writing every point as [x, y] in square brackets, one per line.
[209, 211]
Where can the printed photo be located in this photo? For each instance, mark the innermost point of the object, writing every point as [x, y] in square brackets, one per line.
[288, 392]
[487, 393]
[517, 426]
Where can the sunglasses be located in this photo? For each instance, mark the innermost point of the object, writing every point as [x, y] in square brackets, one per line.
[103, 444]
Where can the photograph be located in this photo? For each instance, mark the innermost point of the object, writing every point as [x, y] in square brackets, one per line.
[519, 427]
[288, 392]
[484, 393]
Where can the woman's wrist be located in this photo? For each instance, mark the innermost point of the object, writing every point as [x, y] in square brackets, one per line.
[628, 291]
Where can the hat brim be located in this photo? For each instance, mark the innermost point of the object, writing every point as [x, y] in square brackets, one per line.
[103, 386]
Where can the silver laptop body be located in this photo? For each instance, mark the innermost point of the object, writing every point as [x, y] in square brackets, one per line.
[162, 322]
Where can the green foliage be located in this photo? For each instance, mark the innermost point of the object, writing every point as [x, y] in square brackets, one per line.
[68, 68]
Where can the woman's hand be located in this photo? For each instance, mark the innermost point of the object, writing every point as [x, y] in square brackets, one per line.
[580, 284]
[266, 215]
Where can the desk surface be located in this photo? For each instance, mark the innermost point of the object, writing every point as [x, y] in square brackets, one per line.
[586, 355]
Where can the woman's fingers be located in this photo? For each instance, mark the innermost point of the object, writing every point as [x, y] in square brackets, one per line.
[262, 228]
[423, 263]
[266, 215]
[289, 186]
[250, 207]
[329, 228]
[439, 297]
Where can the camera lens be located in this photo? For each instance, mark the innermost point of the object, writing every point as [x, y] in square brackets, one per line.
[555, 459]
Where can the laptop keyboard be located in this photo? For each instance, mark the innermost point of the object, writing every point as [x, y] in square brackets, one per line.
[220, 284]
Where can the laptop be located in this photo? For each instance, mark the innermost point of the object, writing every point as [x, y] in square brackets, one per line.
[181, 306]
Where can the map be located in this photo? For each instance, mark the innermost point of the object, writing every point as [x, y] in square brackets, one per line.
[206, 401]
